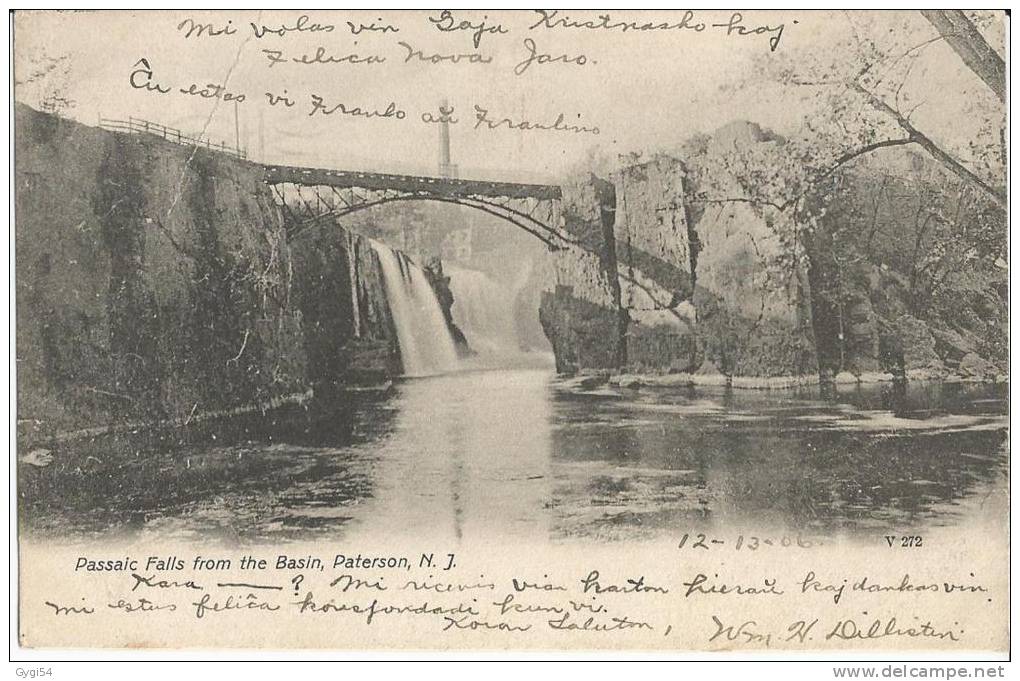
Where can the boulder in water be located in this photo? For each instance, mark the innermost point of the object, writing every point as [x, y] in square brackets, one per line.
[629, 381]
[38, 457]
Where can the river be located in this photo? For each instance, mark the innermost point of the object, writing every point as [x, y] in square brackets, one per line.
[522, 453]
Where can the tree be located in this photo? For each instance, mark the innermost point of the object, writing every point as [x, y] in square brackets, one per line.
[43, 80]
[966, 40]
[896, 82]
[872, 87]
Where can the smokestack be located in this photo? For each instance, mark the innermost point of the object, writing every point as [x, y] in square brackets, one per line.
[445, 169]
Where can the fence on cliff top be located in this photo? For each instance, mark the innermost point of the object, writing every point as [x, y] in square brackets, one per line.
[172, 134]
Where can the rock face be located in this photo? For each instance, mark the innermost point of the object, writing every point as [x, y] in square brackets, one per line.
[440, 282]
[667, 277]
[752, 319]
[348, 332]
[655, 246]
[664, 283]
[157, 282]
[154, 281]
[580, 309]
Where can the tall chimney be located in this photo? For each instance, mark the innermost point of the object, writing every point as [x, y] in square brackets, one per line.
[445, 169]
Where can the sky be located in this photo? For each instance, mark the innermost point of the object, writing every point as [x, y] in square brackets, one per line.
[642, 90]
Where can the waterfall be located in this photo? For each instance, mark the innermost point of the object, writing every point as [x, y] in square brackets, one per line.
[484, 310]
[426, 346]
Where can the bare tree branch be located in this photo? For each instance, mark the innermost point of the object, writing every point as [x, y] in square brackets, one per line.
[971, 46]
[838, 163]
[868, 148]
[998, 195]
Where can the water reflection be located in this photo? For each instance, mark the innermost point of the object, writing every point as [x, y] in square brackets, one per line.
[871, 458]
[464, 461]
[521, 454]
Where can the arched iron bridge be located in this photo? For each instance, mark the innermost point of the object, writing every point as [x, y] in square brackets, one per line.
[312, 196]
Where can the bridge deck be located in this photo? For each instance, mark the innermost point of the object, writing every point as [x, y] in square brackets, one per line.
[437, 186]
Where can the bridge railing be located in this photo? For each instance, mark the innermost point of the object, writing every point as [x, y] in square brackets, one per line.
[444, 186]
[139, 125]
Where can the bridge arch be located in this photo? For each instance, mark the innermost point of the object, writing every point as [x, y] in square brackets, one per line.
[311, 196]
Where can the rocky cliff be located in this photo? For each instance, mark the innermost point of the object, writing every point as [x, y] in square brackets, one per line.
[656, 246]
[677, 269]
[440, 282]
[752, 300]
[153, 280]
[348, 331]
[581, 309]
[156, 282]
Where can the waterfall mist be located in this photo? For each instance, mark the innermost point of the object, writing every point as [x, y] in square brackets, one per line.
[484, 309]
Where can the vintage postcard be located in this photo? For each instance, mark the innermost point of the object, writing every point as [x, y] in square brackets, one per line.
[605, 330]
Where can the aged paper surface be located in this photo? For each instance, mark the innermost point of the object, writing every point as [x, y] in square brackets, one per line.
[503, 330]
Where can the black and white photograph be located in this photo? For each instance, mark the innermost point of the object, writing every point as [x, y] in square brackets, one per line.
[483, 330]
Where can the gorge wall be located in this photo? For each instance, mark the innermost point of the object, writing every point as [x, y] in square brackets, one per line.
[156, 282]
[661, 283]
[581, 313]
[347, 327]
[667, 277]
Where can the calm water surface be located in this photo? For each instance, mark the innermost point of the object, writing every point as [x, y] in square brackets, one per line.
[482, 455]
